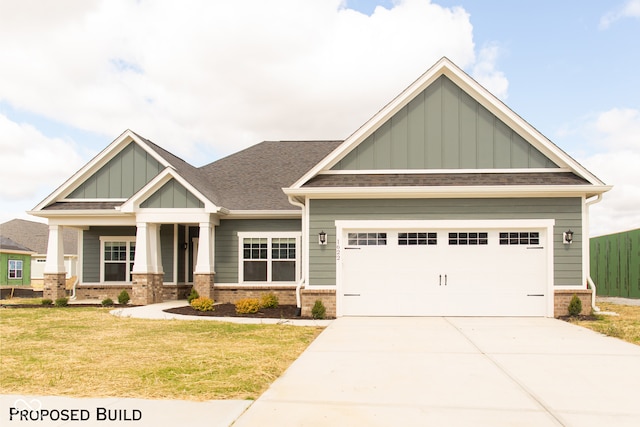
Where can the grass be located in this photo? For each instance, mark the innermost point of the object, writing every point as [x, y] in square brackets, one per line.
[86, 352]
[626, 326]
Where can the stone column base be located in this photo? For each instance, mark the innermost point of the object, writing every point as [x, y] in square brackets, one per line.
[146, 288]
[203, 284]
[54, 286]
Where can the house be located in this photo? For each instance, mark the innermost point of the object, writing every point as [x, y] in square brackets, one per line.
[445, 202]
[15, 263]
[615, 263]
[35, 235]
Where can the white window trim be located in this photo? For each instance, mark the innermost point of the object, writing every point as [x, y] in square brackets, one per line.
[105, 239]
[269, 236]
[9, 269]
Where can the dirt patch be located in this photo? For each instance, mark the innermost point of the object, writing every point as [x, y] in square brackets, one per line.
[229, 310]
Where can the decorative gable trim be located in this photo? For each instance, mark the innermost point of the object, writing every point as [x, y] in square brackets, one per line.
[98, 162]
[135, 202]
[445, 67]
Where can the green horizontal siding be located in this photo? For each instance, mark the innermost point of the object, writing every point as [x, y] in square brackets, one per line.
[615, 264]
[566, 212]
[444, 128]
[130, 170]
[91, 250]
[226, 253]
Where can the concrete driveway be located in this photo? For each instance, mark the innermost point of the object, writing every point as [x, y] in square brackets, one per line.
[455, 372]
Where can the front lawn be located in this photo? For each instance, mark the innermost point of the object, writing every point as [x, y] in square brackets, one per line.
[86, 352]
[626, 326]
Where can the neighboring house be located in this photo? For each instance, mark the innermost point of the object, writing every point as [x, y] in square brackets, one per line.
[15, 263]
[615, 264]
[445, 202]
[35, 235]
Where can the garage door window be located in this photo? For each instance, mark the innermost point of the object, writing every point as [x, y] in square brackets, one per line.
[367, 239]
[410, 239]
[520, 238]
[472, 238]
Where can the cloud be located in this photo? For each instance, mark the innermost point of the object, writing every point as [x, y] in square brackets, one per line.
[484, 71]
[200, 76]
[616, 134]
[631, 9]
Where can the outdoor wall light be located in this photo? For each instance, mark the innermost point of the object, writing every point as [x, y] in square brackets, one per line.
[185, 246]
[322, 238]
[567, 237]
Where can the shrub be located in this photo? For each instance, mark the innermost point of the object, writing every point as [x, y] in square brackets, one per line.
[202, 304]
[123, 297]
[318, 311]
[192, 295]
[107, 302]
[269, 300]
[575, 306]
[247, 306]
[47, 301]
[62, 302]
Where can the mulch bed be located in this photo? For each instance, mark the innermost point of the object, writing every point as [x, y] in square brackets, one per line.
[580, 317]
[66, 306]
[229, 310]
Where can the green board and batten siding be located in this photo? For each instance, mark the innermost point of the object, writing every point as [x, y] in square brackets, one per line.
[4, 269]
[129, 171]
[226, 246]
[444, 128]
[565, 211]
[615, 264]
[172, 195]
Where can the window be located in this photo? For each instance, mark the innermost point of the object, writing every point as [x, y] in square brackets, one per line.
[118, 255]
[520, 238]
[269, 258]
[410, 239]
[15, 269]
[472, 238]
[367, 239]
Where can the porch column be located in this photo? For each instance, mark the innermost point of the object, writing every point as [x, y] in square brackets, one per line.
[204, 271]
[147, 266]
[55, 277]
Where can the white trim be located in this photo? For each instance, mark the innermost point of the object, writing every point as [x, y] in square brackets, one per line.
[264, 214]
[478, 191]
[485, 98]
[546, 224]
[269, 236]
[134, 202]
[128, 240]
[96, 163]
[439, 171]
[114, 200]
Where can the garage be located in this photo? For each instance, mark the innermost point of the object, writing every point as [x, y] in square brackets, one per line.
[444, 268]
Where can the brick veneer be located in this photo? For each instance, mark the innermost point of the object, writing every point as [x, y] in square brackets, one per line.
[563, 297]
[146, 288]
[203, 284]
[55, 286]
[98, 292]
[310, 296]
[232, 293]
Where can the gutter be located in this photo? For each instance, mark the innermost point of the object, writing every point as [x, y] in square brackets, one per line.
[590, 282]
[302, 269]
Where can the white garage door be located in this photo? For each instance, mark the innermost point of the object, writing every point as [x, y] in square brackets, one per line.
[450, 272]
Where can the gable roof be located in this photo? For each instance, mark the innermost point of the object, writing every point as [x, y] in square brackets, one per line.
[35, 236]
[8, 245]
[444, 67]
[252, 179]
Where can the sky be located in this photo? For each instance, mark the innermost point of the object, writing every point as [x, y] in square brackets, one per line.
[206, 78]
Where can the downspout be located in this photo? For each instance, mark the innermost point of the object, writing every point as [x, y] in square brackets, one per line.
[592, 285]
[302, 259]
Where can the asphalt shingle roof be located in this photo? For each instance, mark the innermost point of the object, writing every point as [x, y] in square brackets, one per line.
[8, 244]
[35, 235]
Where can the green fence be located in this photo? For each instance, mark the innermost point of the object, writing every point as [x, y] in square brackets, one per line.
[615, 264]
